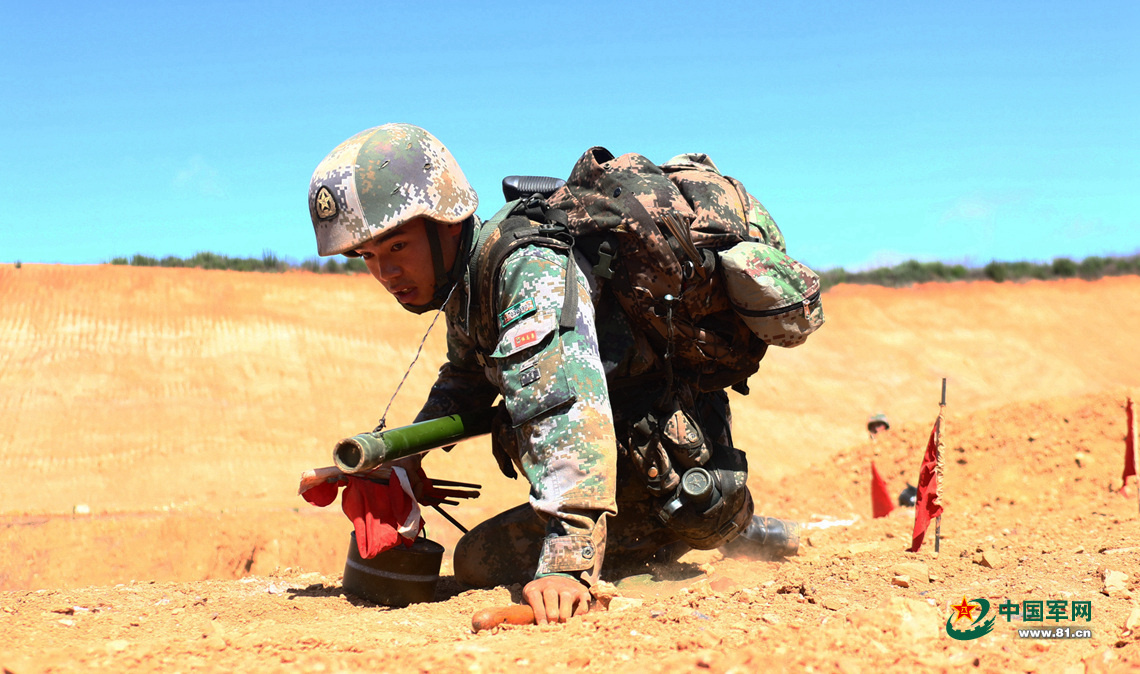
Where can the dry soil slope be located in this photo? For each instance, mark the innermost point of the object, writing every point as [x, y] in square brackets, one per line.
[200, 393]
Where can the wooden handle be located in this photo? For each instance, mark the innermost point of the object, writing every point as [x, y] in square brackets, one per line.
[518, 614]
[318, 476]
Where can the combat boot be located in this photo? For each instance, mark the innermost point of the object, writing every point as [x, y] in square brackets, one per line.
[765, 538]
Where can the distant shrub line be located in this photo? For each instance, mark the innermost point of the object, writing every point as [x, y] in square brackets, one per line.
[268, 262]
[905, 274]
[912, 271]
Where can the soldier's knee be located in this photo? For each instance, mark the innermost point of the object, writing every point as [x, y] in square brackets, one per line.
[468, 567]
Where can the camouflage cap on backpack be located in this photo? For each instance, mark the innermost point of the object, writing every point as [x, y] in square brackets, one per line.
[777, 296]
[381, 178]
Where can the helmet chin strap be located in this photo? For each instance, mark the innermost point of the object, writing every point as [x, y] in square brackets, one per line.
[444, 278]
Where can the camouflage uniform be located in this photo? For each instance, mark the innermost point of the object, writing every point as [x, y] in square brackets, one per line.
[554, 390]
[561, 427]
[551, 370]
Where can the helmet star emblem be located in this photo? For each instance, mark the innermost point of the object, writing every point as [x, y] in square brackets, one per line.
[325, 203]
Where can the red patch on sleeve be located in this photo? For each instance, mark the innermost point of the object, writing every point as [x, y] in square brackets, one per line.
[526, 338]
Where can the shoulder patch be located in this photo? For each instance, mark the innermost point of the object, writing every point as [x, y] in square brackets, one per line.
[517, 311]
[525, 334]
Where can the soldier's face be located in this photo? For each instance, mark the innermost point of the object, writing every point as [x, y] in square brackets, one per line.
[401, 261]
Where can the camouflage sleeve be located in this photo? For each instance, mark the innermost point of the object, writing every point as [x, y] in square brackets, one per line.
[456, 390]
[554, 389]
[461, 384]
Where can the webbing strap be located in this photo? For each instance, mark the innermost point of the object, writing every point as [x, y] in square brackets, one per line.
[569, 318]
[432, 230]
[516, 231]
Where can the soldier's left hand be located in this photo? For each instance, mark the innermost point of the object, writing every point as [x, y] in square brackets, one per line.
[556, 599]
[411, 465]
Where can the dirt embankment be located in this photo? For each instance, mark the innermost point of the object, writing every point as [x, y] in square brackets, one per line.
[179, 406]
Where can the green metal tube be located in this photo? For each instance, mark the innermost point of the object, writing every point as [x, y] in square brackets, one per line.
[366, 451]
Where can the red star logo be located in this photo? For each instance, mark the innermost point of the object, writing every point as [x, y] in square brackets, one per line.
[965, 610]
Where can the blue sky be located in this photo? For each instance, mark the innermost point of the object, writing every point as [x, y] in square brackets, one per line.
[874, 132]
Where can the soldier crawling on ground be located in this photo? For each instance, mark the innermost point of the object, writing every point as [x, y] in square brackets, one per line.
[394, 196]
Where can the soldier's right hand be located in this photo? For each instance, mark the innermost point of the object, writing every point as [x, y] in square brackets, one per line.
[556, 598]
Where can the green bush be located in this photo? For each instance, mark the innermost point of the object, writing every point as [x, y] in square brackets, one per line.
[996, 272]
[206, 260]
[270, 260]
[1063, 267]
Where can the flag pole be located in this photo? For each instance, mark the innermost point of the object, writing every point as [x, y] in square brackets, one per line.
[1135, 442]
[938, 520]
[1131, 452]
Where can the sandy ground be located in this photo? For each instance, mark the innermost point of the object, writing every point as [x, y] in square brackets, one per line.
[154, 422]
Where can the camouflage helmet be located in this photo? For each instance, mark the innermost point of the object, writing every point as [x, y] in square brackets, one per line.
[381, 178]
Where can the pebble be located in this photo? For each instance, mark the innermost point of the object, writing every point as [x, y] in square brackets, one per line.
[623, 603]
[215, 643]
[913, 570]
[989, 559]
[832, 603]
[1115, 583]
[1133, 621]
[722, 584]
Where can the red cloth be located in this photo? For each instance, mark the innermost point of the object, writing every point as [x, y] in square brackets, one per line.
[927, 507]
[1129, 443]
[881, 504]
[322, 494]
[376, 511]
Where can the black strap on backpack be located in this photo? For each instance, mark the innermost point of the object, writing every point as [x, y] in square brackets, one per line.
[529, 222]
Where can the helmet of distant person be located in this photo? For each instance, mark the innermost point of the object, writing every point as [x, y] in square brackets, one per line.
[878, 422]
[380, 179]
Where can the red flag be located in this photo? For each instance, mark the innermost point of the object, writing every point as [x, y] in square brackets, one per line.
[1129, 443]
[378, 512]
[881, 504]
[929, 504]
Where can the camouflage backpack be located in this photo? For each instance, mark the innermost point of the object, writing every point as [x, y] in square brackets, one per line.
[693, 259]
